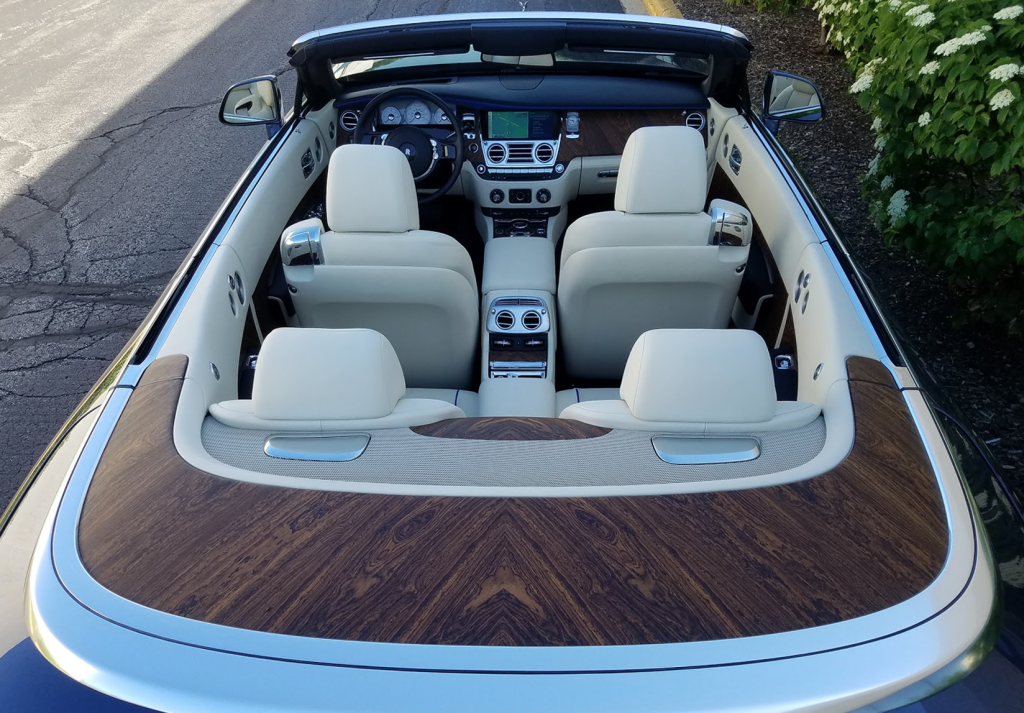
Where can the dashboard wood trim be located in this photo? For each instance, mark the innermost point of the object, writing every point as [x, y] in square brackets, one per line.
[492, 571]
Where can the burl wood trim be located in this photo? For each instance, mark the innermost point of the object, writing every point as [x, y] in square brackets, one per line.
[519, 428]
[604, 133]
[864, 369]
[515, 571]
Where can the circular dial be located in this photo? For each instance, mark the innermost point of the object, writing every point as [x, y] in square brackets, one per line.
[390, 116]
[440, 118]
[417, 113]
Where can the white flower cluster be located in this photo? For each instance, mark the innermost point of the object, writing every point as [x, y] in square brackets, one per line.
[930, 68]
[886, 183]
[953, 45]
[866, 77]
[1002, 99]
[876, 125]
[923, 19]
[873, 165]
[879, 143]
[925, 119]
[895, 5]
[1009, 13]
[1004, 72]
[916, 10]
[897, 205]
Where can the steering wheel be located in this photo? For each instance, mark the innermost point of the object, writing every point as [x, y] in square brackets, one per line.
[423, 148]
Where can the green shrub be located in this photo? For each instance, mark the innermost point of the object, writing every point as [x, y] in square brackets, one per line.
[943, 81]
[783, 6]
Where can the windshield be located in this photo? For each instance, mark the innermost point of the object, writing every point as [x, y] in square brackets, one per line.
[692, 66]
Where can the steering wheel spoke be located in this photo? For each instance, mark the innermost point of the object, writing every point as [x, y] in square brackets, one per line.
[422, 147]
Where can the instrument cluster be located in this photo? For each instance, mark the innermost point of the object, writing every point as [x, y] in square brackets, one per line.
[415, 112]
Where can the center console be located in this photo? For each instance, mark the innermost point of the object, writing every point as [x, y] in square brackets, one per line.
[519, 321]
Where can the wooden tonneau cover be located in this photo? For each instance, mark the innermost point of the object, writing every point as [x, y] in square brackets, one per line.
[492, 571]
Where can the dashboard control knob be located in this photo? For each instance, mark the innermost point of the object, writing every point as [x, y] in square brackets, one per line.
[481, 169]
[497, 195]
[559, 168]
[543, 195]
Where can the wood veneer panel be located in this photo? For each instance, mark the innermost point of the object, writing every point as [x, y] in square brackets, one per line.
[864, 369]
[604, 133]
[519, 428]
[514, 571]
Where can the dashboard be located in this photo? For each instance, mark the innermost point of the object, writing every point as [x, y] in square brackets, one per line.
[405, 112]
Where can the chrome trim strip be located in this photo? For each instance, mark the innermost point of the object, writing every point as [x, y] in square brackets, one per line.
[695, 450]
[480, 16]
[336, 449]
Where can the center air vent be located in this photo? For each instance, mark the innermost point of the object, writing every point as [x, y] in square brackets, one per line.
[348, 120]
[505, 319]
[544, 153]
[695, 120]
[520, 153]
[531, 320]
[496, 153]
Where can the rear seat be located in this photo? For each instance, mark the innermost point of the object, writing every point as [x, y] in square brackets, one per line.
[693, 381]
[334, 380]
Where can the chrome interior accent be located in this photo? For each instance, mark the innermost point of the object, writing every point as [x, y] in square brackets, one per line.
[506, 315]
[735, 159]
[689, 450]
[518, 369]
[337, 449]
[520, 155]
[729, 227]
[300, 243]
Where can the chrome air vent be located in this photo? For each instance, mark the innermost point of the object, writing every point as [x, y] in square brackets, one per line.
[544, 153]
[505, 319]
[531, 320]
[496, 153]
[695, 120]
[520, 153]
[517, 301]
[348, 120]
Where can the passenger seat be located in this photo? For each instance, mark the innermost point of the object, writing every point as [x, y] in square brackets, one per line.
[654, 262]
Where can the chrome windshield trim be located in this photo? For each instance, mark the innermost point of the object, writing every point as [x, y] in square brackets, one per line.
[339, 30]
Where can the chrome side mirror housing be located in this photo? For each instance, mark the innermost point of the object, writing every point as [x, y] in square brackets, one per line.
[252, 102]
[300, 244]
[731, 224]
[788, 97]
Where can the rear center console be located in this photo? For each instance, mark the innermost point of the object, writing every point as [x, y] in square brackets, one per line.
[518, 336]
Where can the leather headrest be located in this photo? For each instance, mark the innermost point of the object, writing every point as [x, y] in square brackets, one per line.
[326, 374]
[370, 189]
[699, 375]
[663, 170]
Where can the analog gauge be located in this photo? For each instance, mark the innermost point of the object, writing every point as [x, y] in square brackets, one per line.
[440, 118]
[390, 116]
[417, 113]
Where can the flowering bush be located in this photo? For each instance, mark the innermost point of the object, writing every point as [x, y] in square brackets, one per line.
[785, 6]
[943, 80]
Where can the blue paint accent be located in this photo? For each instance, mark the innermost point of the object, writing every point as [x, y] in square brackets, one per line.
[30, 684]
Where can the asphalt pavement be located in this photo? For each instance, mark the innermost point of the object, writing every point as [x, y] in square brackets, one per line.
[112, 161]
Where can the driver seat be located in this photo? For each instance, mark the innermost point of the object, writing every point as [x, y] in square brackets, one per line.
[375, 269]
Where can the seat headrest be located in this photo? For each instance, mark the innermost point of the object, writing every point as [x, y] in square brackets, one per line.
[699, 375]
[663, 170]
[326, 374]
[370, 189]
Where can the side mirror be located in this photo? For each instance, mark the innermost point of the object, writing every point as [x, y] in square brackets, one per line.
[254, 101]
[790, 98]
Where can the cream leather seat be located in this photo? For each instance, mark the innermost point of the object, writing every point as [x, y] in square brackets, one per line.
[376, 269]
[697, 381]
[649, 263]
[330, 380]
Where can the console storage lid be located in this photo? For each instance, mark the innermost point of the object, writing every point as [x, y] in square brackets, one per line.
[519, 264]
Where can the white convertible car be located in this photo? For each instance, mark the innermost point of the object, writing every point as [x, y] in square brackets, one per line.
[520, 372]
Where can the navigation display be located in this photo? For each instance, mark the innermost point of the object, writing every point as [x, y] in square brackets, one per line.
[529, 125]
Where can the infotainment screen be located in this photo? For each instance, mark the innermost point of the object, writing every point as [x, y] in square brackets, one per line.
[529, 125]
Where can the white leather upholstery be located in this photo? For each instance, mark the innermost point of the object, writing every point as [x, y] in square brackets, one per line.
[519, 264]
[568, 397]
[696, 381]
[648, 264]
[467, 401]
[329, 379]
[517, 397]
[379, 271]
[370, 190]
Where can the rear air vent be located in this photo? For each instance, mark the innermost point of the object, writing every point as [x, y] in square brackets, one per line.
[496, 153]
[544, 153]
[531, 320]
[520, 153]
[349, 119]
[695, 120]
[517, 301]
[505, 319]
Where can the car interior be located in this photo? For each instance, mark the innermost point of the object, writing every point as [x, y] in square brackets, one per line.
[619, 252]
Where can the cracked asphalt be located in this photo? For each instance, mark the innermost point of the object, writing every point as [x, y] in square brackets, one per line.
[112, 161]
